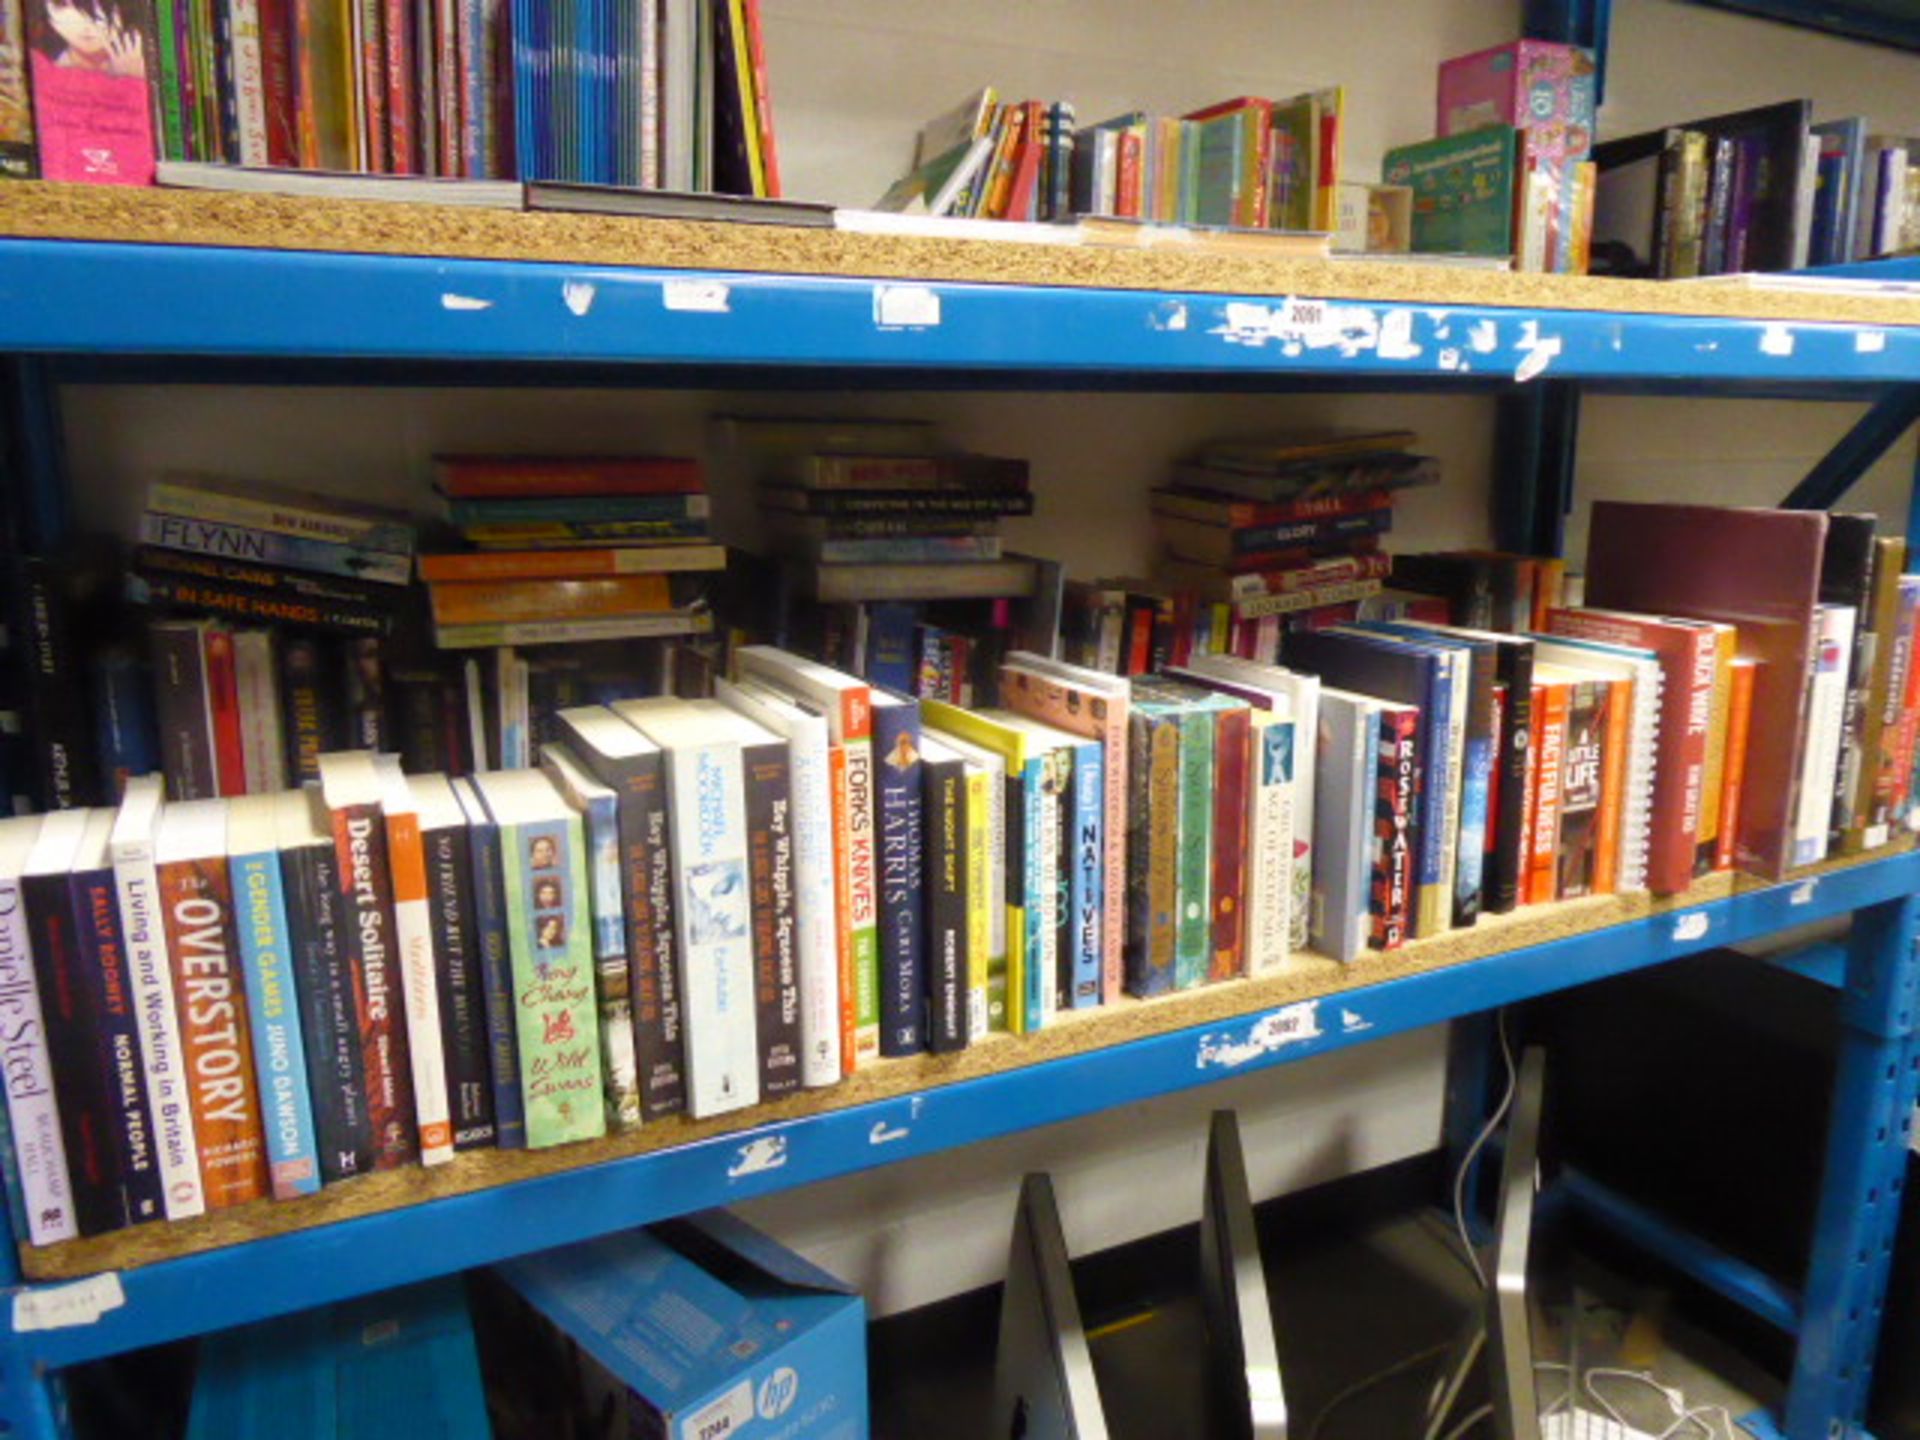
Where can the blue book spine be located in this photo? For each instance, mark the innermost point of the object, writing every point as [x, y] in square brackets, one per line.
[496, 981]
[1475, 793]
[1437, 772]
[123, 715]
[903, 918]
[891, 630]
[122, 1071]
[273, 1016]
[1088, 886]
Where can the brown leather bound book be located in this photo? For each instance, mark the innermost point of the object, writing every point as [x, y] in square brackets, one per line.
[1758, 570]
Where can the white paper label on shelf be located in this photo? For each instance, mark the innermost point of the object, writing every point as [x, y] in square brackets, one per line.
[766, 1152]
[578, 295]
[1691, 926]
[1776, 340]
[61, 1307]
[709, 296]
[1803, 892]
[1289, 1025]
[905, 307]
[1869, 342]
[885, 1134]
[723, 1417]
[450, 301]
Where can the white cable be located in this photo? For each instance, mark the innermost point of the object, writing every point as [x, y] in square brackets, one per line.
[1485, 1412]
[1361, 1386]
[1682, 1415]
[1473, 1152]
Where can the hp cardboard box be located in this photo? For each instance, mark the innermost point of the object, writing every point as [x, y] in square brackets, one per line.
[703, 1329]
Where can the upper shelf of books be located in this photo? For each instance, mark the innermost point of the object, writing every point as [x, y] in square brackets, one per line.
[191, 274]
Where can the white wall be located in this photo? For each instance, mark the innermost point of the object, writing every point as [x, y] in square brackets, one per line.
[853, 79]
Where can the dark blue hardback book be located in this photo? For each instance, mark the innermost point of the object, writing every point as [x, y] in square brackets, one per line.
[496, 971]
[902, 909]
[892, 626]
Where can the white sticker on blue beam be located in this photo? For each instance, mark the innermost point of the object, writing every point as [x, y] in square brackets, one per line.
[709, 297]
[1289, 1025]
[763, 1153]
[905, 307]
[450, 301]
[61, 1307]
[1776, 340]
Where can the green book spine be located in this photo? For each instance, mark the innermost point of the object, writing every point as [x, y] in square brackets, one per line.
[550, 942]
[173, 132]
[1194, 933]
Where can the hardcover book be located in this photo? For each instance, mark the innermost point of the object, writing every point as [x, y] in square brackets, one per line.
[712, 893]
[448, 852]
[116, 1038]
[898, 826]
[543, 868]
[1758, 570]
[768, 789]
[1199, 714]
[151, 976]
[1884, 628]
[496, 967]
[353, 788]
[629, 764]
[68, 1005]
[598, 807]
[323, 968]
[33, 1113]
[815, 923]
[190, 855]
[846, 705]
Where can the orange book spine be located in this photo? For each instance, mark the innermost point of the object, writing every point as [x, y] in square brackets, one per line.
[843, 902]
[197, 905]
[1733, 775]
[510, 602]
[1550, 742]
[1613, 778]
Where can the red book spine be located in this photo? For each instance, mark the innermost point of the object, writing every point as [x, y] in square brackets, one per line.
[223, 701]
[484, 478]
[1026, 169]
[398, 78]
[1393, 811]
[446, 83]
[1126, 181]
[762, 99]
[1242, 514]
[371, 84]
[1232, 759]
[366, 885]
[276, 65]
[1549, 748]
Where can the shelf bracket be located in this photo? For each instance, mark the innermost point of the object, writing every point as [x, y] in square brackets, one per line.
[1856, 452]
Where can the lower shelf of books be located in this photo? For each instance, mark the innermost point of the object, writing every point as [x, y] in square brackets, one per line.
[389, 1228]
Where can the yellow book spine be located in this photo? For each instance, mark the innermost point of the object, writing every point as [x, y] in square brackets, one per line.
[981, 960]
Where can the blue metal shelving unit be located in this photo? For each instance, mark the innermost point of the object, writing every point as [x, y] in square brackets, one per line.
[186, 312]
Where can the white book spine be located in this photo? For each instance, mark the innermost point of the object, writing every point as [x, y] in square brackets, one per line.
[1453, 761]
[1270, 841]
[811, 787]
[1047, 863]
[161, 1051]
[33, 1114]
[261, 738]
[1636, 821]
[249, 80]
[705, 791]
[1820, 753]
[1343, 816]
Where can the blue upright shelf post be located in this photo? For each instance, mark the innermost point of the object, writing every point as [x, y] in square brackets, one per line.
[1859, 1211]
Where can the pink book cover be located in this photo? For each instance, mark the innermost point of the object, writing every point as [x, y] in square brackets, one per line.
[1525, 83]
[92, 115]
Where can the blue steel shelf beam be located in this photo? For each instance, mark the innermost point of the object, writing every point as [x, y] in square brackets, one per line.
[1856, 452]
[177, 1298]
[61, 298]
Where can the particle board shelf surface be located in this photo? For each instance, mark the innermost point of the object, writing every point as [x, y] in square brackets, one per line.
[1305, 977]
[44, 211]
